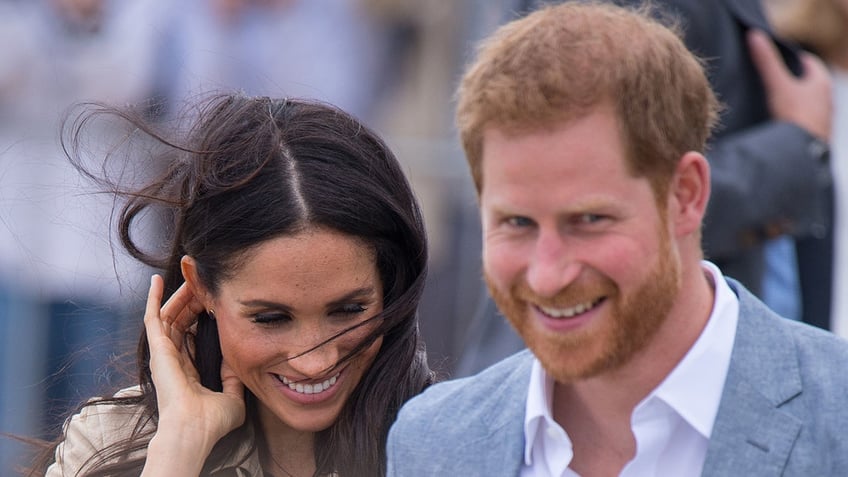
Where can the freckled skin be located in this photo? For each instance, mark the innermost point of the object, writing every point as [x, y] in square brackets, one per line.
[304, 283]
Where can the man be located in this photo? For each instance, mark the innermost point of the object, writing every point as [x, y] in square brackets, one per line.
[768, 221]
[583, 125]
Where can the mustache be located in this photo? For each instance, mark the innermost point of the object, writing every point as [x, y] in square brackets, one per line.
[582, 290]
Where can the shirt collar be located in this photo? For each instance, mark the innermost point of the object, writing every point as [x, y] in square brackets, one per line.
[695, 400]
[538, 414]
[693, 388]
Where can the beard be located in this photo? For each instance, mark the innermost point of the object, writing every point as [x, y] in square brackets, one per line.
[607, 342]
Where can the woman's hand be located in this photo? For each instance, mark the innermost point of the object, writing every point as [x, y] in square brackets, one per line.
[192, 418]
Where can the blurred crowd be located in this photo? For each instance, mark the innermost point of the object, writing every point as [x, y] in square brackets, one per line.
[821, 26]
[69, 295]
[66, 292]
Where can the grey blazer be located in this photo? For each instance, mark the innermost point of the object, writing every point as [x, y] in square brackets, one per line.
[783, 410]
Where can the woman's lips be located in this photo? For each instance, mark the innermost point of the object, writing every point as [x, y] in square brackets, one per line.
[309, 388]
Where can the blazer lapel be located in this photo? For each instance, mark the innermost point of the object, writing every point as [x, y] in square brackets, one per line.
[505, 454]
[500, 445]
[751, 435]
[499, 451]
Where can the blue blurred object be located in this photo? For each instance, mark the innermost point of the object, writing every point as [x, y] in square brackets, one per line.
[781, 285]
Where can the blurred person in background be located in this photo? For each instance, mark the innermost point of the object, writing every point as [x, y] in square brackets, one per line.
[324, 49]
[429, 44]
[822, 27]
[62, 296]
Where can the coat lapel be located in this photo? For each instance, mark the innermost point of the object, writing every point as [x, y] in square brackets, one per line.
[750, 14]
[509, 455]
[499, 449]
[500, 445]
[751, 434]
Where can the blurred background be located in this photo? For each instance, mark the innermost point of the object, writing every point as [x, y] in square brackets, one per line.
[70, 298]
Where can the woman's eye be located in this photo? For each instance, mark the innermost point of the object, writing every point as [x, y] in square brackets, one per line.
[270, 318]
[351, 309]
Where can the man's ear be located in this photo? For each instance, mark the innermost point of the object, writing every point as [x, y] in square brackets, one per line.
[188, 265]
[690, 192]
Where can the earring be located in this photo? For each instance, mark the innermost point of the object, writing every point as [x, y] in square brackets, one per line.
[211, 313]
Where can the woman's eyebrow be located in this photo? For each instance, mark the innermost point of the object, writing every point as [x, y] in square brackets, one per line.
[259, 303]
[359, 293]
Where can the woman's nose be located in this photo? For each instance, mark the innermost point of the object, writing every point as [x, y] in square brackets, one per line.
[314, 363]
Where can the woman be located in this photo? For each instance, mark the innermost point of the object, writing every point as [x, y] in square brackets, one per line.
[289, 338]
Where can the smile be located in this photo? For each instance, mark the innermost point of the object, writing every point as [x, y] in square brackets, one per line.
[571, 311]
[312, 388]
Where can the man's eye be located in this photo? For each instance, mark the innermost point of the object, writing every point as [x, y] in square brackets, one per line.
[270, 318]
[519, 221]
[590, 218]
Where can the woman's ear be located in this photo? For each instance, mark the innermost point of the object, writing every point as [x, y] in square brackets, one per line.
[188, 265]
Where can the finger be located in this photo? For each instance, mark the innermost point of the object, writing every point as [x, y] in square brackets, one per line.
[175, 305]
[182, 308]
[232, 385]
[814, 67]
[767, 59]
[152, 322]
[233, 388]
[188, 315]
[175, 334]
[186, 361]
[168, 313]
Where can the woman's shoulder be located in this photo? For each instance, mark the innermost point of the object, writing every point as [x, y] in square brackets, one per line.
[99, 424]
[109, 416]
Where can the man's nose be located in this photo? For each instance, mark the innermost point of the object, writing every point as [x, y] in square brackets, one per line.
[552, 265]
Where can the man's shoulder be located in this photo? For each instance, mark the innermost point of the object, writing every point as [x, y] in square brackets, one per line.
[481, 395]
[790, 362]
[468, 426]
[822, 355]
[761, 327]
[785, 394]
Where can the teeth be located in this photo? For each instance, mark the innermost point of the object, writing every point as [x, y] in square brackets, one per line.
[313, 388]
[569, 312]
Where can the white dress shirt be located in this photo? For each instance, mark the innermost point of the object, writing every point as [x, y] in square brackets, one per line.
[672, 425]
